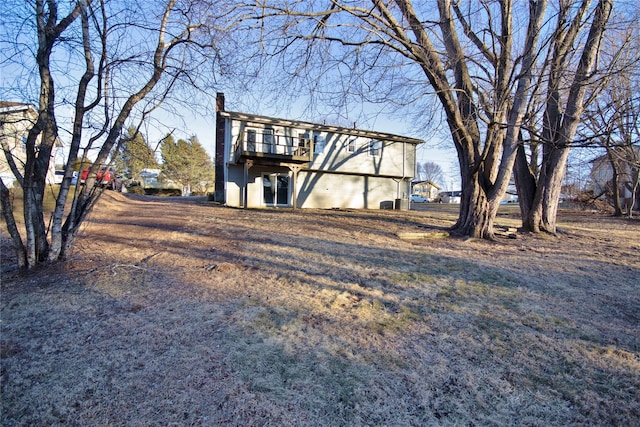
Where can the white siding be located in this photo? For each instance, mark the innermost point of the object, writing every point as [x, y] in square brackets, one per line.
[326, 190]
[336, 157]
[16, 123]
[336, 177]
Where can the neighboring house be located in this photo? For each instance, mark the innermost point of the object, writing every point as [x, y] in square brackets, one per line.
[265, 161]
[15, 121]
[426, 189]
[149, 179]
[602, 177]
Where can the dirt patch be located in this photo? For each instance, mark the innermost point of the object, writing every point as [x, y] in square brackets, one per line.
[179, 312]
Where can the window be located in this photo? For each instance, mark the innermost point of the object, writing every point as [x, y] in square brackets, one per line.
[351, 146]
[303, 144]
[251, 140]
[319, 143]
[267, 140]
[375, 148]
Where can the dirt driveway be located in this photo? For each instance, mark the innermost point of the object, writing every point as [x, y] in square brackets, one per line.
[180, 312]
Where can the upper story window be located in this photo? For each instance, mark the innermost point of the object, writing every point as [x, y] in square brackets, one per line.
[375, 148]
[267, 137]
[268, 141]
[303, 140]
[319, 142]
[351, 146]
[251, 140]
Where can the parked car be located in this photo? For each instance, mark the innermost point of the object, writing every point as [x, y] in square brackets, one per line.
[449, 197]
[510, 201]
[416, 198]
[105, 178]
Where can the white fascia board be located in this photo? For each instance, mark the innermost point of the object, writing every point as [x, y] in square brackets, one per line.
[251, 118]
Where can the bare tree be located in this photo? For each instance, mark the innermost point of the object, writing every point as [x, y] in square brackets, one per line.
[116, 60]
[430, 171]
[564, 101]
[545, 147]
[613, 123]
[479, 59]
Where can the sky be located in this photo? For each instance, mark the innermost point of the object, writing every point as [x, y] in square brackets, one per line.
[202, 124]
[15, 85]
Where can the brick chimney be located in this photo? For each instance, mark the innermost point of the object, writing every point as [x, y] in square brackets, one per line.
[219, 101]
[219, 195]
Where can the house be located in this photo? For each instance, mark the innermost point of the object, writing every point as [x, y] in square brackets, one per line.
[149, 177]
[426, 189]
[15, 121]
[265, 161]
[602, 176]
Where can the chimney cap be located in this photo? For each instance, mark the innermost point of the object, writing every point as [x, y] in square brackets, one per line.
[219, 101]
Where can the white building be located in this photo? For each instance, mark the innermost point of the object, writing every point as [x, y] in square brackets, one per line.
[266, 161]
[602, 176]
[16, 119]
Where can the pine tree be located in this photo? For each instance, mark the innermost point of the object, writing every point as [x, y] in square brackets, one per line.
[187, 163]
[134, 155]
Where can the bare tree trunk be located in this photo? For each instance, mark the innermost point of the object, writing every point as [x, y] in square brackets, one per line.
[57, 238]
[12, 228]
[525, 182]
[635, 184]
[542, 216]
[476, 217]
[617, 204]
[560, 124]
[71, 226]
[35, 236]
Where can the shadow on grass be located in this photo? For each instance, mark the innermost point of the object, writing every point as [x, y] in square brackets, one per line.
[338, 330]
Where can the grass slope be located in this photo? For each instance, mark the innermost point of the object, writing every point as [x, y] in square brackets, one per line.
[177, 313]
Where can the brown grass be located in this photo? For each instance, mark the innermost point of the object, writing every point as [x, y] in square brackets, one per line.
[178, 312]
[49, 204]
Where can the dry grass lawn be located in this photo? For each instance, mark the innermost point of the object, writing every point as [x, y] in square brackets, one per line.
[178, 312]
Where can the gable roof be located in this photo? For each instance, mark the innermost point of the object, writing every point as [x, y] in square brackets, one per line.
[11, 104]
[9, 107]
[318, 127]
[413, 183]
[12, 107]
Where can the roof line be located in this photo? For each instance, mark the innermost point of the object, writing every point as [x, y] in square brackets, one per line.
[8, 106]
[317, 126]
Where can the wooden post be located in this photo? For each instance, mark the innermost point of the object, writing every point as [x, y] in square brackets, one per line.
[294, 190]
[219, 186]
[245, 195]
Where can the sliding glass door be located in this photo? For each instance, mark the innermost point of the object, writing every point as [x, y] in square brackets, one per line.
[275, 189]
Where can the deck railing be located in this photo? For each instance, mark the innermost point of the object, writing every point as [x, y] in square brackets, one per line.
[251, 143]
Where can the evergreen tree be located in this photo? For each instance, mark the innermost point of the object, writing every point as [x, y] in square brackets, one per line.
[134, 155]
[81, 163]
[187, 163]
